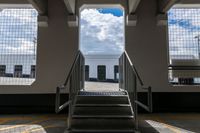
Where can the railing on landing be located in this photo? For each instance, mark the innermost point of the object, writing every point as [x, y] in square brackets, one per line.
[75, 82]
[128, 80]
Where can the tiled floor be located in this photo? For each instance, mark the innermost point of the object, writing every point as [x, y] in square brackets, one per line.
[149, 123]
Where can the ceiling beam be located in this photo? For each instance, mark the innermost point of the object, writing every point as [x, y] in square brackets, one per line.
[14, 2]
[189, 1]
[165, 5]
[70, 5]
[40, 6]
[132, 5]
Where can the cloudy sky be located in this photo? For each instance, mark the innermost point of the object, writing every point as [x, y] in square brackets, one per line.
[184, 26]
[18, 31]
[101, 31]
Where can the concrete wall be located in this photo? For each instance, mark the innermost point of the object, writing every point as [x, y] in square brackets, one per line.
[108, 61]
[147, 46]
[57, 45]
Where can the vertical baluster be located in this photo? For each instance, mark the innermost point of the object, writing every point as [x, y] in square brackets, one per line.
[57, 99]
[70, 104]
[120, 72]
[83, 72]
[79, 73]
[75, 78]
[135, 104]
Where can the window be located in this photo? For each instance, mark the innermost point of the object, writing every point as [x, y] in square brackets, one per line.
[33, 71]
[2, 70]
[18, 71]
[87, 78]
[18, 44]
[101, 73]
[184, 49]
[116, 72]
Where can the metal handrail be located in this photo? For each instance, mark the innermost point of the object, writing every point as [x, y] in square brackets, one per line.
[133, 68]
[147, 107]
[75, 78]
[72, 67]
[129, 77]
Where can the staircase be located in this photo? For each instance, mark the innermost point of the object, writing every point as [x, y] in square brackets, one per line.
[102, 112]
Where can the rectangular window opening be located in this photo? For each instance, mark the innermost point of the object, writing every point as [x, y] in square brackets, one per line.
[18, 44]
[184, 46]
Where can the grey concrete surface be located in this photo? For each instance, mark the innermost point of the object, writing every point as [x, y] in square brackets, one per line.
[51, 123]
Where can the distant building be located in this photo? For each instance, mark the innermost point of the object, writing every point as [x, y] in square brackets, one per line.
[189, 57]
[102, 68]
[97, 67]
[17, 65]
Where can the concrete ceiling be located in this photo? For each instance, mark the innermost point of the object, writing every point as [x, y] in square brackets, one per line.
[40, 6]
[165, 5]
[132, 6]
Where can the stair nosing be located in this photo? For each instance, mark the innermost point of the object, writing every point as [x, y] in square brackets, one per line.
[102, 105]
[97, 130]
[102, 95]
[103, 116]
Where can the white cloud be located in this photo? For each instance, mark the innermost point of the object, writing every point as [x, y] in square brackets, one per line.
[18, 31]
[101, 33]
[184, 25]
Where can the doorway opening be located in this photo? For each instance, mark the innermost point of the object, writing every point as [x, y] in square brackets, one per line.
[101, 73]
[102, 41]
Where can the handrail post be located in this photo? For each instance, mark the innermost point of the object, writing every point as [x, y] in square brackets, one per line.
[135, 104]
[125, 72]
[83, 73]
[150, 99]
[57, 99]
[70, 104]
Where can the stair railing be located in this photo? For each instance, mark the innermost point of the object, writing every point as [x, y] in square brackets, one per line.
[74, 82]
[128, 80]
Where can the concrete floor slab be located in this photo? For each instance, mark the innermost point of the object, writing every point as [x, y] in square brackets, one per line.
[148, 123]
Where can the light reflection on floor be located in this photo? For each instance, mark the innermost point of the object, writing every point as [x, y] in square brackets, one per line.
[166, 128]
[148, 123]
[32, 123]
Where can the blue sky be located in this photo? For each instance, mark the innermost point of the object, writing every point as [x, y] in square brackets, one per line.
[184, 25]
[114, 11]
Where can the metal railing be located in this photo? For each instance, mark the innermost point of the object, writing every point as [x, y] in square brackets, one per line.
[74, 82]
[130, 80]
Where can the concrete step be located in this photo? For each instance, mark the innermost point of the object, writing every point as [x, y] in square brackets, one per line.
[102, 105]
[102, 99]
[102, 111]
[102, 125]
[101, 131]
[94, 93]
